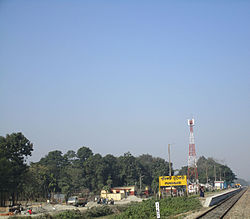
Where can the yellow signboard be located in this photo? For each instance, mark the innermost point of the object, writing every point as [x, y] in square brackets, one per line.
[173, 180]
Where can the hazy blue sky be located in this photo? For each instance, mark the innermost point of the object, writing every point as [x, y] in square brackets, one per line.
[120, 76]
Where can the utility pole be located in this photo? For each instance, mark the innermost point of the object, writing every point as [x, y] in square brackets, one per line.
[169, 163]
[206, 173]
[214, 173]
[220, 174]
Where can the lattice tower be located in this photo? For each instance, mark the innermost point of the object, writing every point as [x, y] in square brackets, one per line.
[192, 166]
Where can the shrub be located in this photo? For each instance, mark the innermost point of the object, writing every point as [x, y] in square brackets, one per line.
[168, 207]
[73, 214]
[99, 211]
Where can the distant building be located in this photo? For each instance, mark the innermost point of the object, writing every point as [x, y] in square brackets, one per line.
[118, 193]
[114, 196]
[127, 190]
[219, 185]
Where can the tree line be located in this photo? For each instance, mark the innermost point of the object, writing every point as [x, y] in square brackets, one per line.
[71, 172]
[209, 171]
[76, 171]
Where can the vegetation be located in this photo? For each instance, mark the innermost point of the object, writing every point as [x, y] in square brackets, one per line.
[209, 170]
[99, 211]
[168, 207]
[71, 172]
[14, 150]
[145, 209]
[79, 171]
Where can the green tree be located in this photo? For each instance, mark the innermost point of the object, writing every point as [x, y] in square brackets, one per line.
[153, 167]
[94, 172]
[130, 169]
[84, 153]
[111, 170]
[55, 162]
[208, 168]
[70, 157]
[14, 150]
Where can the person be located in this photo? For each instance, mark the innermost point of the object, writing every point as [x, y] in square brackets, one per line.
[30, 211]
[201, 192]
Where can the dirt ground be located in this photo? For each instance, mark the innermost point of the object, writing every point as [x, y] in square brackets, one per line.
[44, 208]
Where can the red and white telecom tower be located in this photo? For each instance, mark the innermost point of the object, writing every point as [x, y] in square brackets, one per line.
[192, 166]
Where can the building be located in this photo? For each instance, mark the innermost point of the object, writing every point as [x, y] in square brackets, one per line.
[118, 193]
[127, 190]
[219, 185]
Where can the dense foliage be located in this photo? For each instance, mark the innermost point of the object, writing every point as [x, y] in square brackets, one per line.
[73, 172]
[82, 170]
[209, 170]
[14, 150]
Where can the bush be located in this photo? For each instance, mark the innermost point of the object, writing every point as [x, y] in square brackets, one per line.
[99, 211]
[75, 214]
[168, 207]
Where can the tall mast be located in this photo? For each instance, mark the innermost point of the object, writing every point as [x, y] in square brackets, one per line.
[192, 166]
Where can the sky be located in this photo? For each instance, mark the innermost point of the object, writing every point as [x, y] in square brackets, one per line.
[119, 76]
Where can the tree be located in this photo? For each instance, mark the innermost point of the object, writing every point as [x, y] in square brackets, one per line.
[40, 180]
[14, 150]
[111, 170]
[84, 153]
[152, 169]
[208, 168]
[130, 169]
[94, 172]
[55, 164]
[70, 156]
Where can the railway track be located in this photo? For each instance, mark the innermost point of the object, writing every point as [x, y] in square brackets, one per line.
[220, 210]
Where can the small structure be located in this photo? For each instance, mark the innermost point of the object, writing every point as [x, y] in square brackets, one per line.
[219, 185]
[127, 190]
[114, 196]
[118, 193]
[193, 188]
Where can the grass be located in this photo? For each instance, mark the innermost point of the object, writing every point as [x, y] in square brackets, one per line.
[169, 207]
[175, 207]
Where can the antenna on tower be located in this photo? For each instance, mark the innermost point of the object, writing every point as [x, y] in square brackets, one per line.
[192, 165]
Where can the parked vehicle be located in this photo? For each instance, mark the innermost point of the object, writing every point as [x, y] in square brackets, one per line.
[76, 201]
